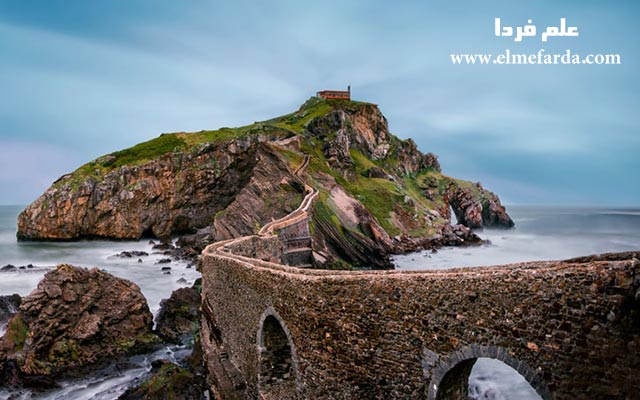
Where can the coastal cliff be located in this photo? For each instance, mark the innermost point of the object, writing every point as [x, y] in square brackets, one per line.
[377, 194]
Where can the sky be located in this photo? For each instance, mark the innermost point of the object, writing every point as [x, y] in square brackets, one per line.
[79, 79]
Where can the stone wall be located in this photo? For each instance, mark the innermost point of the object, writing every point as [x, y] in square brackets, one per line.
[267, 248]
[572, 329]
[302, 257]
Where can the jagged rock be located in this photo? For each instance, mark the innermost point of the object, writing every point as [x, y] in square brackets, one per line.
[364, 128]
[268, 195]
[476, 207]
[376, 172]
[139, 200]
[75, 318]
[185, 381]
[8, 268]
[179, 315]
[458, 235]
[198, 241]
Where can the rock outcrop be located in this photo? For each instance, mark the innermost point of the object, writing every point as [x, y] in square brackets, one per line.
[476, 207]
[377, 194]
[75, 318]
[362, 127]
[179, 316]
[172, 194]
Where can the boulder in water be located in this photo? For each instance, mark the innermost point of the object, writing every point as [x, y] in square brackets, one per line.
[8, 268]
[75, 318]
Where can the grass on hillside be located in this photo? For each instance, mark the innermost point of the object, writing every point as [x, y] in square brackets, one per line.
[169, 142]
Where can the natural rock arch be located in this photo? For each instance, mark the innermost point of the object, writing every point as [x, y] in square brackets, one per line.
[450, 378]
[278, 363]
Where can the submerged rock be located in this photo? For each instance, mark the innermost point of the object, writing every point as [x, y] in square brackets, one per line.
[75, 318]
[163, 246]
[132, 254]
[23, 268]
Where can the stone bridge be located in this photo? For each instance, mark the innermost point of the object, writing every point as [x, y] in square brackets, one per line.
[571, 328]
[270, 331]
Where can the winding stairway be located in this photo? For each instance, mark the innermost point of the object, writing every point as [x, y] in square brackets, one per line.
[293, 229]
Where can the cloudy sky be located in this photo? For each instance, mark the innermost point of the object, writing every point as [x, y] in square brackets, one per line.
[80, 79]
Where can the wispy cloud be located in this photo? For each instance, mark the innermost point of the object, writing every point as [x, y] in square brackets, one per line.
[88, 78]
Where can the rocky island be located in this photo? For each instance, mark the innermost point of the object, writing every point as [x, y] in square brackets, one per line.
[331, 180]
[377, 194]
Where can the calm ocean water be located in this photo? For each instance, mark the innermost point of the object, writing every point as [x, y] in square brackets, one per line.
[541, 233]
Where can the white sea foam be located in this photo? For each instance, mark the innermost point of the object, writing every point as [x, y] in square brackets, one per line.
[494, 380]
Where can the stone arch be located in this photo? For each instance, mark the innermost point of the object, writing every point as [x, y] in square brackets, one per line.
[449, 379]
[278, 376]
